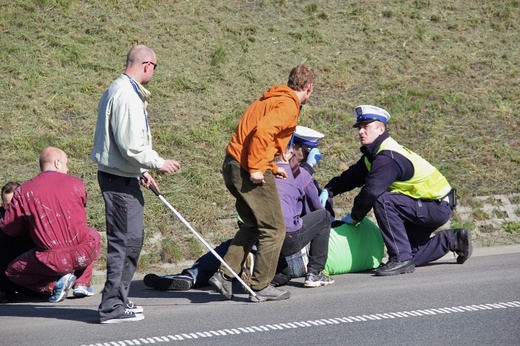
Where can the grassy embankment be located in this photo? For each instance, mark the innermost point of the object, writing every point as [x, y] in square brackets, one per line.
[448, 72]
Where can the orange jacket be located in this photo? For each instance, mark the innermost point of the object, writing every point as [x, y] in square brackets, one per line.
[265, 129]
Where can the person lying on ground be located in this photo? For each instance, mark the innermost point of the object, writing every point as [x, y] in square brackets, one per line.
[351, 249]
[302, 228]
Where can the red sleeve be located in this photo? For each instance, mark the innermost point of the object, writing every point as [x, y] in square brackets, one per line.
[13, 223]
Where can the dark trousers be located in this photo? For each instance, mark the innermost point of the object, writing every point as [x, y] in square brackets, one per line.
[124, 206]
[315, 230]
[206, 265]
[407, 224]
[10, 248]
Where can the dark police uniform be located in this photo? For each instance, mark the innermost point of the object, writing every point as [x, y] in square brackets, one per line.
[406, 215]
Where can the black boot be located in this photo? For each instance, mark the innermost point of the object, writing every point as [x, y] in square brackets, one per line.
[464, 247]
[395, 268]
[149, 280]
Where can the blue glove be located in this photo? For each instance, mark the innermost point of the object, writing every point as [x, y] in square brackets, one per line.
[324, 196]
[314, 156]
[348, 219]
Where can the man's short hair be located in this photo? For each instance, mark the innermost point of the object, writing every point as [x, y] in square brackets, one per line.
[8, 188]
[138, 54]
[300, 77]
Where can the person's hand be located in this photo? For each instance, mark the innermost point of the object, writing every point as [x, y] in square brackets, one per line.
[314, 156]
[324, 196]
[257, 178]
[170, 166]
[147, 181]
[281, 173]
[348, 219]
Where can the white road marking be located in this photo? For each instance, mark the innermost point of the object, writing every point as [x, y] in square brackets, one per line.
[312, 323]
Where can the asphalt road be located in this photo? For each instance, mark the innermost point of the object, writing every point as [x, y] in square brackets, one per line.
[477, 303]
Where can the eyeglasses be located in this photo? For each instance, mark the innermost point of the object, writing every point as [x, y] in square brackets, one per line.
[149, 62]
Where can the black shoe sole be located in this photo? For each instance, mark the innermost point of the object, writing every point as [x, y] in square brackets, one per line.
[176, 284]
[406, 270]
[150, 279]
[463, 256]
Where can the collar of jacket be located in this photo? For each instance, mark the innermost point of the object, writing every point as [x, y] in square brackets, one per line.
[370, 150]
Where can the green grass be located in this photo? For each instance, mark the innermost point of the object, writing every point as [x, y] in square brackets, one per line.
[447, 71]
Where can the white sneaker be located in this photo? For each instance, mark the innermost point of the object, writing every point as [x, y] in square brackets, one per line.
[127, 316]
[63, 285]
[81, 291]
[317, 280]
[131, 306]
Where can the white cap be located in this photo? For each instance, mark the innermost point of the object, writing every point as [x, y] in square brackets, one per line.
[368, 114]
[307, 136]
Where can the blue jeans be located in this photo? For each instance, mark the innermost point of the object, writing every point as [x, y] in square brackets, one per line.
[206, 265]
[315, 230]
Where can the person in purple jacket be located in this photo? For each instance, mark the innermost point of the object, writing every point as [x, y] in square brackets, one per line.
[306, 221]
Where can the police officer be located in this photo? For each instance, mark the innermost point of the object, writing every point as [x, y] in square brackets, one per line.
[305, 146]
[410, 197]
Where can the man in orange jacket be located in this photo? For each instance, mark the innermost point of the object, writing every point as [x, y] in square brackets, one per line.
[249, 172]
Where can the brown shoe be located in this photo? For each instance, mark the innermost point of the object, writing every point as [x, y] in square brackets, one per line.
[269, 293]
[221, 284]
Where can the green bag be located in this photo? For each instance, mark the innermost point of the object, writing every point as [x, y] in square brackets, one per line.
[354, 248]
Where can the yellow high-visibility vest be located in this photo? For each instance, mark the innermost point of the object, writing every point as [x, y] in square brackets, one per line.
[426, 183]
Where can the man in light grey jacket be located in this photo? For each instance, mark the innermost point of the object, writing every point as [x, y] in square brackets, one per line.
[124, 154]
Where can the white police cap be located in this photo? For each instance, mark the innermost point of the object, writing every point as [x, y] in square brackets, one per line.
[367, 114]
[307, 136]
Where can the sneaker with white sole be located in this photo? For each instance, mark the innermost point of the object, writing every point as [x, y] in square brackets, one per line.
[81, 291]
[63, 285]
[317, 280]
[127, 316]
[132, 307]
[269, 293]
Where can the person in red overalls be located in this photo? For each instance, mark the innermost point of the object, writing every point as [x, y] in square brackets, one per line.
[50, 208]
